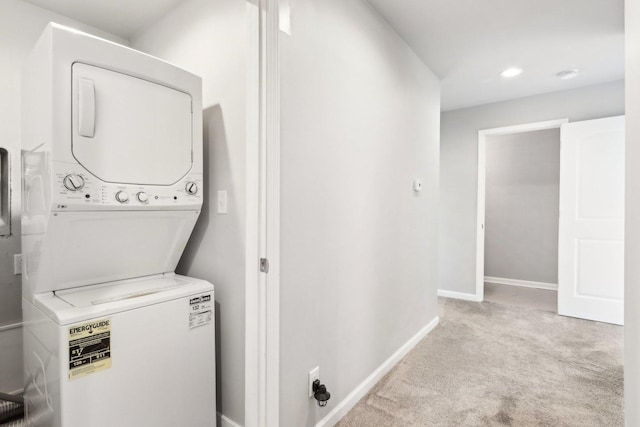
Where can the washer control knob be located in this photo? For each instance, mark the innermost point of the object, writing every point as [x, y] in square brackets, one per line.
[122, 196]
[73, 182]
[143, 197]
[191, 187]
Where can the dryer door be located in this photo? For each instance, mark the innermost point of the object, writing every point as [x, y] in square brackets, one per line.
[129, 130]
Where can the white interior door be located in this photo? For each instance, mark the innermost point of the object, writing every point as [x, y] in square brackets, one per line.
[591, 238]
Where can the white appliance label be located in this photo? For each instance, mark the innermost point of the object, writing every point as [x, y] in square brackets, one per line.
[201, 311]
[89, 348]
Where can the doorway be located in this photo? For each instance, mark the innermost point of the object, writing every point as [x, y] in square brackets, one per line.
[589, 261]
[522, 195]
[526, 272]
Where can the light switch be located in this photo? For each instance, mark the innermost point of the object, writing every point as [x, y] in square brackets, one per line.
[222, 202]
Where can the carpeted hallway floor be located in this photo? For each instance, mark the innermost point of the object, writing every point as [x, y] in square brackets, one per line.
[489, 364]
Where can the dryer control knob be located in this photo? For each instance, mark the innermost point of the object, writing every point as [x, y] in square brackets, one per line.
[191, 187]
[73, 182]
[122, 197]
[143, 197]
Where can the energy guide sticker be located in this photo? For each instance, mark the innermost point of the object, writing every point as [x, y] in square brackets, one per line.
[201, 311]
[89, 348]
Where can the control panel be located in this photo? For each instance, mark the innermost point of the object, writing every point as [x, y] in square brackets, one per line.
[73, 182]
[76, 189]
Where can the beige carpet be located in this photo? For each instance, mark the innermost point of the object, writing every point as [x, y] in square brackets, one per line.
[540, 299]
[488, 364]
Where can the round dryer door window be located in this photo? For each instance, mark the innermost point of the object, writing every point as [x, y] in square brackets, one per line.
[129, 130]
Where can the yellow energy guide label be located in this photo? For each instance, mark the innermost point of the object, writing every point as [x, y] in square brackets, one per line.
[89, 348]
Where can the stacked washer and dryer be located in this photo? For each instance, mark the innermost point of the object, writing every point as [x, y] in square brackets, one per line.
[112, 188]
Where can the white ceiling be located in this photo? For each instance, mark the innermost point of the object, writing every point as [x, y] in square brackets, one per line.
[467, 43]
[123, 18]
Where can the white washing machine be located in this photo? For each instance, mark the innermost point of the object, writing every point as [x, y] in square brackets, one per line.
[112, 188]
[134, 353]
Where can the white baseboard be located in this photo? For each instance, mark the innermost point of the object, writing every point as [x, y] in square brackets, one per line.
[522, 283]
[364, 387]
[459, 295]
[226, 422]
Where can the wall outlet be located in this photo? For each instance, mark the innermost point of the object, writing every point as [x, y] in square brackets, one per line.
[314, 374]
[17, 264]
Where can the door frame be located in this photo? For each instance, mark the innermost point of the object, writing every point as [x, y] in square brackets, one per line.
[271, 206]
[482, 173]
[262, 304]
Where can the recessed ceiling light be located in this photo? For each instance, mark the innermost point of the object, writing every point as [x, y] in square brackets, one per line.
[567, 74]
[511, 72]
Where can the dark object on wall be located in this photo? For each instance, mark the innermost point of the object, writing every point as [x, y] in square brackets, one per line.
[320, 393]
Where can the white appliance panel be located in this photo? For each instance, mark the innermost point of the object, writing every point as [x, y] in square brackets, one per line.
[48, 128]
[130, 130]
[162, 373]
[125, 290]
[83, 248]
[40, 359]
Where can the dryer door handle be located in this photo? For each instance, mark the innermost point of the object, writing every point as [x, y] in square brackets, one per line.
[86, 108]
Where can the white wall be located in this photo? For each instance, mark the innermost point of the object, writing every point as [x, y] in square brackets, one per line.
[459, 165]
[522, 206]
[632, 215]
[20, 26]
[209, 38]
[360, 121]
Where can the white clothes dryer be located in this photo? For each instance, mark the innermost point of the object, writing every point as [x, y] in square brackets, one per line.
[112, 162]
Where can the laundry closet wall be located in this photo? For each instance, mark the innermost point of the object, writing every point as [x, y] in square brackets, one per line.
[522, 211]
[210, 39]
